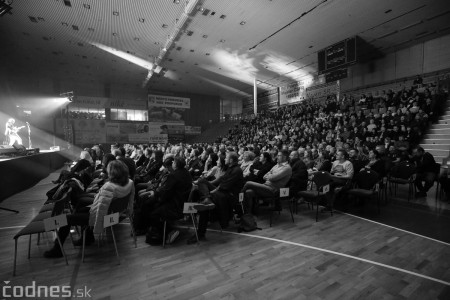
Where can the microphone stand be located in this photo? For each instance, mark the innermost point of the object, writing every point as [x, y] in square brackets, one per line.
[29, 136]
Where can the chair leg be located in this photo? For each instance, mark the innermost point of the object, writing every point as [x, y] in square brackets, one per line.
[115, 245]
[195, 228]
[29, 246]
[132, 231]
[62, 248]
[164, 234]
[317, 212]
[84, 242]
[15, 257]
[39, 238]
[291, 204]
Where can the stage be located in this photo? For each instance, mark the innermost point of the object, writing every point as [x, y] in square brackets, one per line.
[21, 172]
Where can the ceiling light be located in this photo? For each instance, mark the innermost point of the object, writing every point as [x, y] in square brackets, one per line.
[142, 20]
[242, 23]
[165, 25]
[87, 6]
[176, 1]
[116, 13]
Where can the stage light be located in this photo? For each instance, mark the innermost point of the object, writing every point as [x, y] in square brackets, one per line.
[69, 96]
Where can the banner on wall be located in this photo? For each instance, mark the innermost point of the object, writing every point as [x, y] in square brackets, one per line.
[321, 91]
[169, 101]
[174, 131]
[89, 102]
[127, 132]
[138, 104]
[192, 130]
[292, 93]
[268, 100]
[158, 133]
[102, 103]
[89, 131]
[166, 114]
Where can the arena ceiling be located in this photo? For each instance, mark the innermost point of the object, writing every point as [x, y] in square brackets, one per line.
[211, 47]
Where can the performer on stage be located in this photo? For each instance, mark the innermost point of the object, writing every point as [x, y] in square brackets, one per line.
[11, 132]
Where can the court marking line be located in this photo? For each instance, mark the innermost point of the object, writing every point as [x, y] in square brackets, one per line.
[389, 226]
[339, 254]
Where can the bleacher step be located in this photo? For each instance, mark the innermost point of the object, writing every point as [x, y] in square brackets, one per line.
[439, 131]
[435, 141]
[435, 146]
[437, 152]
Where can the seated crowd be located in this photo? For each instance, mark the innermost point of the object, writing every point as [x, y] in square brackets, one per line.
[282, 148]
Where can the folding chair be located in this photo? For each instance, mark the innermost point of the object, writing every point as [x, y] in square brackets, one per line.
[38, 225]
[118, 210]
[367, 185]
[322, 181]
[402, 173]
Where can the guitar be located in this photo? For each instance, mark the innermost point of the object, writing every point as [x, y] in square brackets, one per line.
[14, 130]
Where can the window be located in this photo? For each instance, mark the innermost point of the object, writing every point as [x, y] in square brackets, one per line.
[86, 113]
[129, 114]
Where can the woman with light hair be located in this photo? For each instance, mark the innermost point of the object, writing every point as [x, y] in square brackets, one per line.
[247, 161]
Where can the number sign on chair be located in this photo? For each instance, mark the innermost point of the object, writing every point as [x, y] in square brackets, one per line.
[284, 192]
[189, 208]
[110, 220]
[55, 223]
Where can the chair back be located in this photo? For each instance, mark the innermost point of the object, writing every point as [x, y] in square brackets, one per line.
[367, 179]
[403, 170]
[119, 204]
[321, 179]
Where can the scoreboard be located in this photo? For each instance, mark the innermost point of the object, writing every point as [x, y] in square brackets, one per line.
[338, 56]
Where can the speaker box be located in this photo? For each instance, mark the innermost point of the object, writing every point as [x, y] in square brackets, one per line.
[19, 147]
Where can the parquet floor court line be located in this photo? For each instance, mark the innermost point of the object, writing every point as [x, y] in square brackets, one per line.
[335, 253]
[340, 257]
[410, 232]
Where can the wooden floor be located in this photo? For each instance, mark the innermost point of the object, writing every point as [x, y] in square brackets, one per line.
[340, 257]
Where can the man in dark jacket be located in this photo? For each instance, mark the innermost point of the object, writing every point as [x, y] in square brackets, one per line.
[426, 171]
[299, 177]
[223, 197]
[171, 196]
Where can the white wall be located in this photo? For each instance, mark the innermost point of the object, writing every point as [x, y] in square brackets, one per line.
[426, 57]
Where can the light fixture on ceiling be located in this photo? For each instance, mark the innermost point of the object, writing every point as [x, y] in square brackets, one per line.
[147, 79]
[5, 7]
[176, 1]
[69, 96]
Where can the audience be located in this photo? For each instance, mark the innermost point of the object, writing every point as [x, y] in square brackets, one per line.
[118, 186]
[275, 149]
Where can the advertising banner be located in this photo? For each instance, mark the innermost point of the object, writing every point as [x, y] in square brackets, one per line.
[127, 132]
[138, 104]
[169, 101]
[321, 91]
[292, 93]
[89, 131]
[192, 130]
[89, 102]
[173, 131]
[166, 114]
